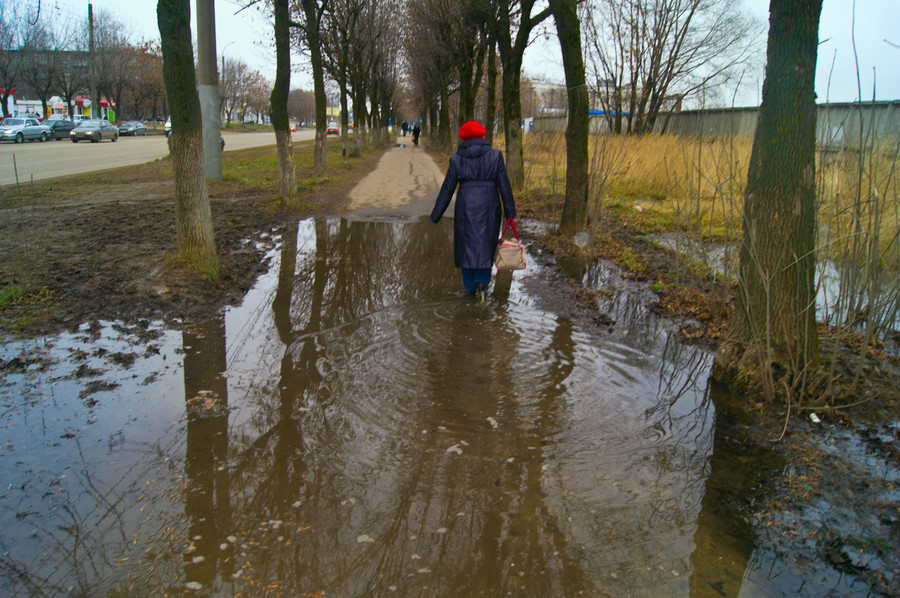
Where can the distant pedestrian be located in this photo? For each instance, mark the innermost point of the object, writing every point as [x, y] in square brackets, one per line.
[484, 188]
[416, 130]
[404, 127]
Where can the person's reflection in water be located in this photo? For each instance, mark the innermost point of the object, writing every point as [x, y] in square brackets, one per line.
[207, 500]
[506, 537]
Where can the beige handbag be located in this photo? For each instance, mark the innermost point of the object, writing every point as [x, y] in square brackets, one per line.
[510, 253]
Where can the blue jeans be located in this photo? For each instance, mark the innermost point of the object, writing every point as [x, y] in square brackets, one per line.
[474, 276]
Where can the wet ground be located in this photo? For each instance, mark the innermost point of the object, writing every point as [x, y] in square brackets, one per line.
[357, 425]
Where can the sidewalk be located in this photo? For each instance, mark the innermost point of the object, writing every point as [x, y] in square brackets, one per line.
[405, 182]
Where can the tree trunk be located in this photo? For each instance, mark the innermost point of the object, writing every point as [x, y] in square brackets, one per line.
[575, 208]
[279, 100]
[491, 111]
[193, 218]
[444, 141]
[320, 153]
[345, 121]
[772, 341]
[359, 122]
[512, 115]
[511, 53]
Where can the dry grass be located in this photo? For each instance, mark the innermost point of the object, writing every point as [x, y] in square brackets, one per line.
[695, 186]
[860, 210]
[658, 182]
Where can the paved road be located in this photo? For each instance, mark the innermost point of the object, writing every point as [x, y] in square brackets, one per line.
[62, 158]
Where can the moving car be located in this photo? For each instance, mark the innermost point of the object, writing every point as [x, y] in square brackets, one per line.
[94, 130]
[19, 129]
[132, 127]
[332, 129]
[59, 129]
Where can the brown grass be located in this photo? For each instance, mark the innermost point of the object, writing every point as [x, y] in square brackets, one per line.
[671, 183]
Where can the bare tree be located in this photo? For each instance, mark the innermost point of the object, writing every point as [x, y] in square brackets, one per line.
[233, 78]
[146, 85]
[193, 218]
[772, 340]
[646, 56]
[116, 58]
[279, 102]
[433, 54]
[342, 18]
[20, 27]
[568, 27]
[308, 23]
[71, 77]
[513, 27]
[301, 105]
[360, 69]
[258, 91]
[42, 57]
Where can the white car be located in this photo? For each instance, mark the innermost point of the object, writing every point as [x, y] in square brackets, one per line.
[19, 129]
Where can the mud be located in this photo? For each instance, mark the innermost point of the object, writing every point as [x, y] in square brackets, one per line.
[107, 256]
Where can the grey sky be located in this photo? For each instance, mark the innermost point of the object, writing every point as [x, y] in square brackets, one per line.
[246, 36]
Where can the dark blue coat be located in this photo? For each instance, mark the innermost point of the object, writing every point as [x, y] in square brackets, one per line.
[483, 183]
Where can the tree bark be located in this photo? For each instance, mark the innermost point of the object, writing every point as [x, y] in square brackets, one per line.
[193, 218]
[512, 51]
[491, 111]
[568, 27]
[512, 114]
[444, 141]
[279, 101]
[312, 14]
[359, 122]
[772, 341]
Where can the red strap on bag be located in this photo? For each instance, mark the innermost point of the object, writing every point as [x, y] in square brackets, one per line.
[510, 222]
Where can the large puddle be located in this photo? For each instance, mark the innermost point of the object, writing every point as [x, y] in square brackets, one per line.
[359, 426]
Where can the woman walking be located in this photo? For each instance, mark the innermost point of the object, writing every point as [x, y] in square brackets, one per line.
[479, 171]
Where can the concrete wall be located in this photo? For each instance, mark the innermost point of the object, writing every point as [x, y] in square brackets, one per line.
[838, 125]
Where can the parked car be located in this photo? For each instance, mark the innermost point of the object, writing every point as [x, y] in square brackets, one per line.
[168, 129]
[132, 127]
[59, 129]
[19, 129]
[332, 129]
[95, 131]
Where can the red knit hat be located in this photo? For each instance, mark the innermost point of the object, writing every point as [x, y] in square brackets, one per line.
[472, 130]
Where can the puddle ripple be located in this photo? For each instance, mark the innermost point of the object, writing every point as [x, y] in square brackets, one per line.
[359, 425]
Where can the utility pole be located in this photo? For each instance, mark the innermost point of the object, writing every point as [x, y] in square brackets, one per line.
[209, 87]
[94, 92]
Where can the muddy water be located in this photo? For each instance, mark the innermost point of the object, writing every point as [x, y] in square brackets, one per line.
[358, 426]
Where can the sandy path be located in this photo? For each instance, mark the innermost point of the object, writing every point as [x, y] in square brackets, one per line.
[406, 182]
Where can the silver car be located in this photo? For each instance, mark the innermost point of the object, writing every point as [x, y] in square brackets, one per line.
[132, 127]
[94, 130]
[19, 129]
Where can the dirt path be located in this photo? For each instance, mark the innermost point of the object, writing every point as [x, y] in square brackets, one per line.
[406, 182]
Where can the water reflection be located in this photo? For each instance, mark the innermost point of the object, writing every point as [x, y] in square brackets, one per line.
[207, 496]
[359, 425]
